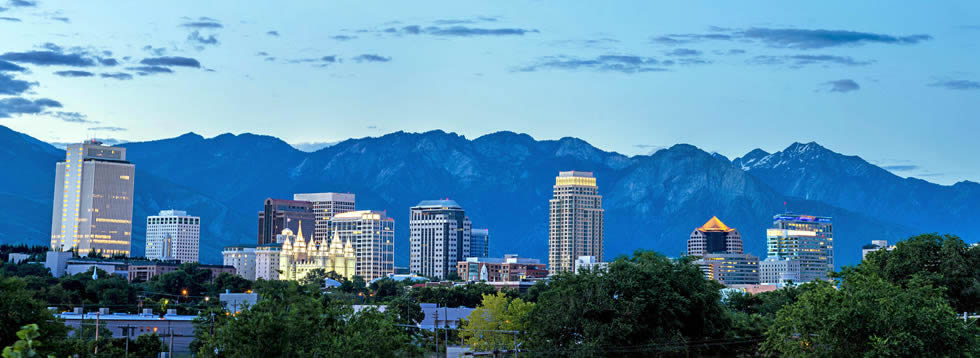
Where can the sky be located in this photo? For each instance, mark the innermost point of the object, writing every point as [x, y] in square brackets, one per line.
[897, 84]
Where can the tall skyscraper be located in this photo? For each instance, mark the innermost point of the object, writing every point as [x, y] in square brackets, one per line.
[93, 200]
[807, 240]
[480, 243]
[326, 206]
[173, 235]
[576, 225]
[372, 234]
[714, 237]
[719, 251]
[279, 214]
[440, 237]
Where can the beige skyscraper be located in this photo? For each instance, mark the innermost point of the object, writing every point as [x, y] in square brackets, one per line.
[93, 200]
[325, 207]
[576, 221]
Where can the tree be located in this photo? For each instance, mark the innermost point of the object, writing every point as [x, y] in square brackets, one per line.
[469, 295]
[386, 288]
[18, 308]
[147, 346]
[405, 310]
[941, 260]
[869, 316]
[231, 282]
[316, 277]
[497, 313]
[646, 302]
[27, 344]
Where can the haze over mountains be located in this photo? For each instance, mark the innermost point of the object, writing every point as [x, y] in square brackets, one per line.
[503, 180]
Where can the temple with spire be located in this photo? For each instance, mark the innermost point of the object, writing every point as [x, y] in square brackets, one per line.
[298, 257]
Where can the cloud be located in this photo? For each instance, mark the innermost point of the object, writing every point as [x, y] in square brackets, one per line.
[108, 129]
[109, 62]
[606, 63]
[961, 85]
[318, 62]
[203, 23]
[272, 33]
[901, 167]
[812, 39]
[18, 106]
[171, 61]
[117, 75]
[803, 39]
[150, 70]
[683, 52]
[73, 117]
[62, 19]
[12, 86]
[196, 37]
[473, 20]
[311, 147]
[49, 58]
[11, 19]
[10, 67]
[798, 61]
[371, 58]
[464, 31]
[156, 51]
[842, 86]
[343, 37]
[22, 3]
[74, 73]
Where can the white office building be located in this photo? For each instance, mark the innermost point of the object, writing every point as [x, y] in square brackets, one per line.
[173, 235]
[806, 240]
[325, 207]
[372, 234]
[439, 237]
[242, 258]
[93, 200]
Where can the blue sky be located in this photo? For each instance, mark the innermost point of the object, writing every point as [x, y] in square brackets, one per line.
[897, 84]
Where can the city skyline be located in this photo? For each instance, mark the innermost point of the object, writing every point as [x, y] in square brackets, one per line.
[862, 83]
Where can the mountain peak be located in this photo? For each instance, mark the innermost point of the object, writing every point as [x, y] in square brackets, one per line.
[801, 148]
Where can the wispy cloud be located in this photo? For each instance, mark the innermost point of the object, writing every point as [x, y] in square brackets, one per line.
[901, 167]
[683, 52]
[49, 58]
[196, 38]
[22, 3]
[799, 61]
[607, 63]
[202, 23]
[150, 70]
[10, 67]
[12, 86]
[107, 129]
[72, 117]
[74, 73]
[343, 37]
[273, 33]
[171, 61]
[117, 75]
[18, 106]
[371, 58]
[842, 86]
[803, 39]
[10, 19]
[960, 85]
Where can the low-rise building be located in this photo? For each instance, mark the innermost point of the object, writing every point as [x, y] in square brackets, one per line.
[176, 331]
[17, 258]
[235, 302]
[589, 263]
[774, 271]
[875, 245]
[508, 268]
[730, 269]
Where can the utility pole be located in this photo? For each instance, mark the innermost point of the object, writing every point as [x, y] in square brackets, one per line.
[171, 343]
[435, 328]
[97, 313]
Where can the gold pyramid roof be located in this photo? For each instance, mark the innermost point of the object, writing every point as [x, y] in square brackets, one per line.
[714, 225]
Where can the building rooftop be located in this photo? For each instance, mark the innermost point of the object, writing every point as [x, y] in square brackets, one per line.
[361, 214]
[805, 218]
[172, 213]
[442, 203]
[125, 317]
[324, 197]
[574, 173]
[714, 224]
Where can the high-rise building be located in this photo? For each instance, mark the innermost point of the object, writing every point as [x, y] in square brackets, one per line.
[508, 268]
[372, 234]
[93, 200]
[173, 235]
[279, 214]
[267, 261]
[480, 243]
[439, 237]
[242, 258]
[714, 237]
[576, 223]
[719, 251]
[326, 206]
[809, 240]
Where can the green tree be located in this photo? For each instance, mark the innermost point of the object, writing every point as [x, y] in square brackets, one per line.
[406, 310]
[469, 295]
[941, 260]
[497, 313]
[386, 288]
[18, 308]
[231, 282]
[871, 317]
[647, 302]
[27, 345]
[316, 277]
[147, 346]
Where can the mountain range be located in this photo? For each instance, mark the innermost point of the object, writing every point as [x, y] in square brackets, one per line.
[503, 181]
